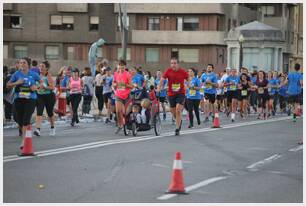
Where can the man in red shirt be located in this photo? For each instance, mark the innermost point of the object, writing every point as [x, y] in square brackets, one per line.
[176, 90]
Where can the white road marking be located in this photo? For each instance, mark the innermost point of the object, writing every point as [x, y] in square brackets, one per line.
[256, 165]
[295, 149]
[194, 187]
[160, 165]
[133, 139]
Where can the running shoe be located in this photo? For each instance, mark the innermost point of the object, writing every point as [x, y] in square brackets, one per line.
[77, 120]
[177, 132]
[37, 132]
[52, 132]
[107, 120]
[190, 126]
[118, 130]
[233, 120]
[206, 120]
[72, 124]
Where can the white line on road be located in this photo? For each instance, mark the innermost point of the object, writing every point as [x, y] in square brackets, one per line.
[254, 167]
[295, 149]
[194, 187]
[133, 139]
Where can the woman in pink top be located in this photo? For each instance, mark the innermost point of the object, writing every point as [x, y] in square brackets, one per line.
[122, 85]
[76, 87]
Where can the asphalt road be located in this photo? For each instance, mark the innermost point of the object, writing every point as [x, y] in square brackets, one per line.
[245, 161]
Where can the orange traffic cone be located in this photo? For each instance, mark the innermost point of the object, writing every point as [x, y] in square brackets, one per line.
[27, 149]
[216, 123]
[177, 183]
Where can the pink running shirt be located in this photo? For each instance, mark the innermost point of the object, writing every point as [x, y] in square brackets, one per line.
[122, 79]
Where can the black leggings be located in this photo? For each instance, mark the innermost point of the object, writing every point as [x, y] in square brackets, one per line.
[193, 105]
[99, 95]
[262, 99]
[24, 109]
[75, 101]
[45, 100]
[253, 98]
[86, 104]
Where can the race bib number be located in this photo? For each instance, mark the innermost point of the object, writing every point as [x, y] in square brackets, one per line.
[208, 86]
[233, 87]
[63, 95]
[176, 87]
[244, 92]
[202, 91]
[121, 86]
[24, 95]
[192, 92]
[260, 90]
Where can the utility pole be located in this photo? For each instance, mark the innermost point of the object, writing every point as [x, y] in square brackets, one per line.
[123, 28]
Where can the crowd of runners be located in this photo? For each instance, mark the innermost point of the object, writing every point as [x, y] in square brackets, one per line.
[29, 87]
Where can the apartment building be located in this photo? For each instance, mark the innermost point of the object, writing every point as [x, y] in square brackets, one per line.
[289, 19]
[62, 33]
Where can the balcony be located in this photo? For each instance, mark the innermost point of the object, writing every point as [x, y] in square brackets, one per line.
[178, 37]
[171, 8]
[72, 7]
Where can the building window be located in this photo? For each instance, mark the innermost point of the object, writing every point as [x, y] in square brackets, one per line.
[70, 53]
[179, 24]
[20, 52]
[189, 55]
[61, 22]
[175, 53]
[190, 24]
[94, 23]
[128, 54]
[119, 22]
[5, 51]
[268, 10]
[153, 23]
[52, 52]
[12, 22]
[152, 54]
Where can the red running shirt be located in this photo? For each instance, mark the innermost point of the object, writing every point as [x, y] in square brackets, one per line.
[175, 81]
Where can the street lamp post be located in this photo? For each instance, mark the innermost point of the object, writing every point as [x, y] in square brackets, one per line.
[241, 40]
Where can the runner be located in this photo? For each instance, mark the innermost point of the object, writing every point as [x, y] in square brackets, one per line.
[76, 87]
[202, 103]
[295, 82]
[262, 94]
[24, 83]
[223, 78]
[253, 93]
[193, 96]
[244, 88]
[65, 88]
[210, 81]
[88, 90]
[122, 84]
[232, 94]
[273, 92]
[176, 90]
[283, 96]
[163, 92]
[99, 88]
[45, 98]
[107, 80]
[220, 93]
